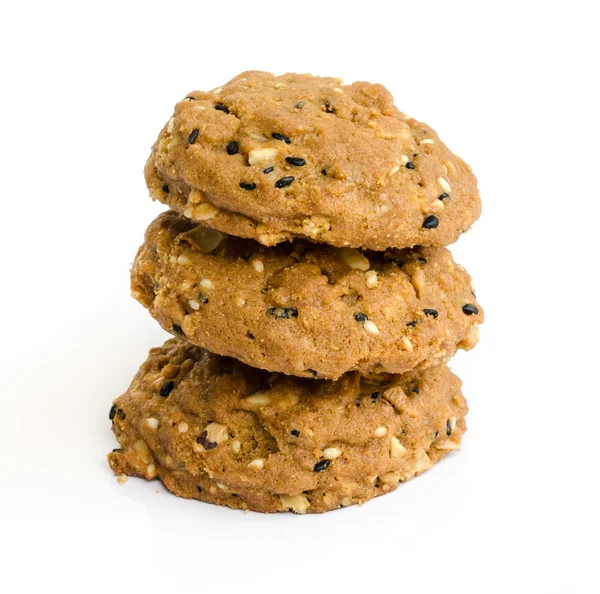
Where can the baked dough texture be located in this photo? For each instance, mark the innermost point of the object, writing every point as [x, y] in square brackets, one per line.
[302, 308]
[297, 156]
[214, 429]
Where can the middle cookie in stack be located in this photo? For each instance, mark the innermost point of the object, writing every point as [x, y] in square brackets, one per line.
[259, 171]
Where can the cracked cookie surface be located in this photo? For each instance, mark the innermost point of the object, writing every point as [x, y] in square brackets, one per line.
[214, 429]
[305, 309]
[276, 158]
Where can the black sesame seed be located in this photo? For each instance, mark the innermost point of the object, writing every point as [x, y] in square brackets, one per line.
[221, 107]
[199, 489]
[202, 298]
[312, 372]
[448, 428]
[416, 390]
[398, 263]
[268, 169]
[177, 329]
[435, 435]
[361, 317]
[284, 313]
[284, 181]
[411, 165]
[248, 186]
[324, 171]
[375, 396]
[300, 104]
[443, 196]
[233, 148]
[470, 309]
[193, 135]
[328, 107]
[165, 189]
[203, 440]
[411, 324]
[118, 450]
[430, 222]
[166, 388]
[296, 161]
[422, 260]
[431, 312]
[322, 465]
[112, 412]
[278, 136]
[295, 432]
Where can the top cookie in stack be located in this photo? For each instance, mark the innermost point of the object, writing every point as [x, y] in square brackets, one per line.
[297, 156]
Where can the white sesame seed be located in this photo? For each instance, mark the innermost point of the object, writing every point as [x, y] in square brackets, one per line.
[171, 125]
[150, 472]
[259, 266]
[221, 486]
[331, 453]
[236, 446]
[194, 304]
[257, 464]
[443, 184]
[207, 283]
[371, 278]
[338, 90]
[427, 141]
[183, 260]
[407, 344]
[380, 431]
[436, 206]
[394, 170]
[200, 107]
[371, 328]
[240, 301]
[182, 427]
[452, 423]
[404, 159]
[152, 423]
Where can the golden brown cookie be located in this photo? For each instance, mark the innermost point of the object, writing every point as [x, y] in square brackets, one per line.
[213, 429]
[302, 308]
[273, 158]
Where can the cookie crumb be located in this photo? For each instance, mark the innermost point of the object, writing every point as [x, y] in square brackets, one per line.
[121, 479]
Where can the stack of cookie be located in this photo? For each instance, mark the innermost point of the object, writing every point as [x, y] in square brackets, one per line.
[302, 273]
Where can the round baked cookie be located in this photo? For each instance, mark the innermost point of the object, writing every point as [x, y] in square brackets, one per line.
[213, 429]
[274, 158]
[302, 308]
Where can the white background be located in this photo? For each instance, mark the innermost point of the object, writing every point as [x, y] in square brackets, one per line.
[509, 86]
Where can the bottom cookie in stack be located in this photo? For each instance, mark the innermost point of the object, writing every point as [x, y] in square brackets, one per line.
[214, 429]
